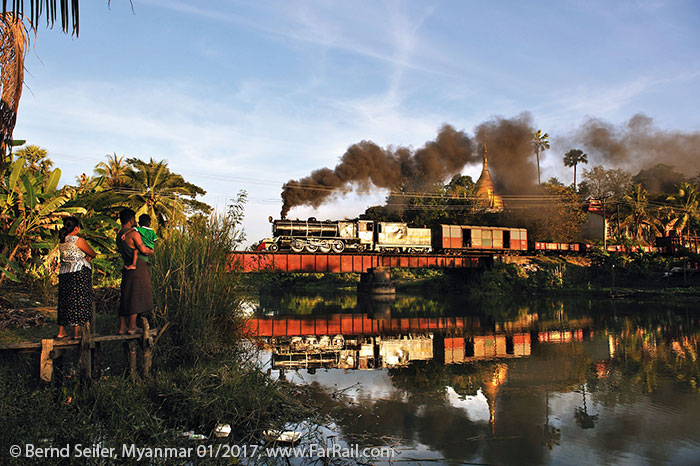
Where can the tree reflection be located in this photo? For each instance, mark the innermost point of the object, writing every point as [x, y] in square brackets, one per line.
[550, 435]
[583, 419]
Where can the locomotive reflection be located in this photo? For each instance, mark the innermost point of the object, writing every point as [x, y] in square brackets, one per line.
[377, 340]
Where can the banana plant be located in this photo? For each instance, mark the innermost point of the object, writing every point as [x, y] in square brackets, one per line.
[30, 209]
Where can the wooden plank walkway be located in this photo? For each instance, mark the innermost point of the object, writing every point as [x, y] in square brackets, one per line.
[89, 345]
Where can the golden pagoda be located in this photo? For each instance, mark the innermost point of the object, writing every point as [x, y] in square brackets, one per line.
[490, 388]
[485, 192]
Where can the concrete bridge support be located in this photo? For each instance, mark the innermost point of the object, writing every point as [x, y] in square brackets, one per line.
[376, 282]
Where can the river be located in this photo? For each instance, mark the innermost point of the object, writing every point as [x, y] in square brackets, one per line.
[501, 381]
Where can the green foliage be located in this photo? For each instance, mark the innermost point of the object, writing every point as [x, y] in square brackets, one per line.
[661, 178]
[30, 213]
[573, 158]
[558, 218]
[599, 183]
[450, 203]
[196, 291]
[165, 196]
[502, 279]
[113, 411]
[540, 143]
[35, 159]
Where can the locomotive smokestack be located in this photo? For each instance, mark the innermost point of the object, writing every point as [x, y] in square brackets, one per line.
[365, 165]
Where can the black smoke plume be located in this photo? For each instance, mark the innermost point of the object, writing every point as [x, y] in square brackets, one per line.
[510, 152]
[639, 144]
[365, 165]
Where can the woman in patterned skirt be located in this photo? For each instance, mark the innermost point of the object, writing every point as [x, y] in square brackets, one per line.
[74, 279]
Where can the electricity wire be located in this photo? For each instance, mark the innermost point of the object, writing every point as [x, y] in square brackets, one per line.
[532, 200]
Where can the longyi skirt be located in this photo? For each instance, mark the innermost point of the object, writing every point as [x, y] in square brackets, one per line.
[74, 297]
[136, 292]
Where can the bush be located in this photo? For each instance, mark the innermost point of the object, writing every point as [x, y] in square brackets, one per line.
[114, 411]
[503, 278]
[197, 294]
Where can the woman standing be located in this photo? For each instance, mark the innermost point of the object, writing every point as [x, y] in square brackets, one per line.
[74, 279]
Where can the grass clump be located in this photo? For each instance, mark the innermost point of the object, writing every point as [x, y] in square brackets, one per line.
[197, 293]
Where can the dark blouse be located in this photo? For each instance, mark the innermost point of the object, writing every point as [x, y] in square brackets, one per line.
[126, 251]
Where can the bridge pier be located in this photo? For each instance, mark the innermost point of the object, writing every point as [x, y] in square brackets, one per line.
[376, 282]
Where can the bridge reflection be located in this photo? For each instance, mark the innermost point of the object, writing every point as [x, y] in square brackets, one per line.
[361, 341]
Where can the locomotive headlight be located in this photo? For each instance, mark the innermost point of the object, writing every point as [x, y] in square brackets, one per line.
[270, 219]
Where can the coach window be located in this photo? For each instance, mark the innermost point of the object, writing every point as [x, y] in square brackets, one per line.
[487, 238]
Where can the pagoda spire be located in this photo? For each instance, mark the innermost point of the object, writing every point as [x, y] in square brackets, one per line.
[485, 189]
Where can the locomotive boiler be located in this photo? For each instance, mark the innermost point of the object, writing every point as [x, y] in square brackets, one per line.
[338, 235]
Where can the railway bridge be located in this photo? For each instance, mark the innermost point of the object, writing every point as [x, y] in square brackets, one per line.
[289, 262]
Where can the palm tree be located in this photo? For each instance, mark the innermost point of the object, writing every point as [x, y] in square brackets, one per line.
[573, 158]
[114, 170]
[637, 202]
[687, 201]
[67, 10]
[540, 142]
[154, 190]
[14, 42]
[36, 159]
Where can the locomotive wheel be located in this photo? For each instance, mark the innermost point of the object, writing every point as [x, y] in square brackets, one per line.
[360, 248]
[297, 246]
[338, 246]
[311, 247]
[273, 247]
[324, 247]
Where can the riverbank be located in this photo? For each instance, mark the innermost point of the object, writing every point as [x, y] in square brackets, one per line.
[643, 276]
[202, 375]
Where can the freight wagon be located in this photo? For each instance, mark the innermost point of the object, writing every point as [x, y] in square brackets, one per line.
[457, 238]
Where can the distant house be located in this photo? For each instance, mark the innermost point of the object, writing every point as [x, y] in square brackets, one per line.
[596, 226]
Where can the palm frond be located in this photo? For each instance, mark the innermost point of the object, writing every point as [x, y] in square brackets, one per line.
[67, 12]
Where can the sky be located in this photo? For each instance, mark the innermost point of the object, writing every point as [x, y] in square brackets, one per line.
[246, 95]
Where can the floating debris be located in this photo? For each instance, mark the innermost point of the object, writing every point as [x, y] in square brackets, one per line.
[222, 430]
[288, 436]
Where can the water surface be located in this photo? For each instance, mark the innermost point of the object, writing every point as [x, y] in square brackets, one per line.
[504, 381]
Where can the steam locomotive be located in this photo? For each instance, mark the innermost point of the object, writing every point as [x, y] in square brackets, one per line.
[390, 237]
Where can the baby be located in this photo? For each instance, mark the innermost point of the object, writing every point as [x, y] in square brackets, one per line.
[148, 236]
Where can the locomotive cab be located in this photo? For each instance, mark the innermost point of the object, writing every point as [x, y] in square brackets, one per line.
[365, 232]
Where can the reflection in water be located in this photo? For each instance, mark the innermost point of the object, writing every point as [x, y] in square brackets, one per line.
[499, 382]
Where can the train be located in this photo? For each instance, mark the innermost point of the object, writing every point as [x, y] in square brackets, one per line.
[338, 236]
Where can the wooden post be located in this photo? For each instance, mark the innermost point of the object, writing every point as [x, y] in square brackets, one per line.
[96, 363]
[147, 346]
[131, 355]
[85, 351]
[46, 366]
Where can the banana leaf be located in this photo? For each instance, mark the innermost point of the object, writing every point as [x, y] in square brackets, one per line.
[9, 269]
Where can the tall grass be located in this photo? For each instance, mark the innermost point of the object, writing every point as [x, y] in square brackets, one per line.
[153, 412]
[197, 293]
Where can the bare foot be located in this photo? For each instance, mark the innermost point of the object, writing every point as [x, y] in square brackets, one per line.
[133, 331]
[130, 267]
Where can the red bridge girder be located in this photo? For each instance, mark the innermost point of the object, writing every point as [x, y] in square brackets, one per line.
[282, 262]
[354, 324]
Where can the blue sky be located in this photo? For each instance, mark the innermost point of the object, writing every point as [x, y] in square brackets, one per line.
[249, 94]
